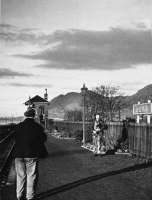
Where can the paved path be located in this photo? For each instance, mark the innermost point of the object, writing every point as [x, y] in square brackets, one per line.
[72, 173]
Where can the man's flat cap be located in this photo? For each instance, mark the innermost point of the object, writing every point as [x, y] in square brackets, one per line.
[30, 113]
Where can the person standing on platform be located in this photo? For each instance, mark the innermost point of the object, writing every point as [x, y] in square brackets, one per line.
[98, 136]
[29, 147]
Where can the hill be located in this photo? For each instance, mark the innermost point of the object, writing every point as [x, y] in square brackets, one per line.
[142, 95]
[73, 101]
[60, 104]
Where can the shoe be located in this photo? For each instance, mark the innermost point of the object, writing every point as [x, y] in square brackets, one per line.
[103, 152]
[119, 151]
[31, 199]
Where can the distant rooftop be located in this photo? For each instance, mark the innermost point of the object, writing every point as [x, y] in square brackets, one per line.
[36, 98]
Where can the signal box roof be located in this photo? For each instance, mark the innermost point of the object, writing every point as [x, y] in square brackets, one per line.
[35, 99]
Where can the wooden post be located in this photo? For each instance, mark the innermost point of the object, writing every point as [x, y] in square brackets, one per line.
[138, 116]
[148, 119]
[119, 115]
[148, 116]
[138, 119]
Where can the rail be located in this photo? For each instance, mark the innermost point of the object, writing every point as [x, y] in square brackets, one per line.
[5, 138]
[6, 155]
[6, 148]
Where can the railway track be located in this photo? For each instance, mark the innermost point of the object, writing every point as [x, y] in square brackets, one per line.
[6, 148]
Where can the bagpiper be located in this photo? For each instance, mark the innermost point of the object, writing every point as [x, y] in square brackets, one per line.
[98, 136]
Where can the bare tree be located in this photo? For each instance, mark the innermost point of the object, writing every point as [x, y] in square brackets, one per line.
[94, 104]
[111, 101]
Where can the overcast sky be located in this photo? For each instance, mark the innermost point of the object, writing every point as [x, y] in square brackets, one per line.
[60, 44]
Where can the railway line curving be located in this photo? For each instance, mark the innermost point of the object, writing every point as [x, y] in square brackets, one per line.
[6, 148]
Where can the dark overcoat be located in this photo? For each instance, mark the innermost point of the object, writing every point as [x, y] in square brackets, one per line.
[29, 140]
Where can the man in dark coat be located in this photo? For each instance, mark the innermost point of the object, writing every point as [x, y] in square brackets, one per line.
[29, 147]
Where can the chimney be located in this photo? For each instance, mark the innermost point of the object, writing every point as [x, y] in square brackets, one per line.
[46, 95]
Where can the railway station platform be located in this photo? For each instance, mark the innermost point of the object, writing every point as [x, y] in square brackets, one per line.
[73, 173]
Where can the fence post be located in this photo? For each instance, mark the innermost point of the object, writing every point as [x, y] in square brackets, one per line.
[148, 119]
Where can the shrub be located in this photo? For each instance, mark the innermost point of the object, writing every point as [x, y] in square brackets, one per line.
[78, 135]
[89, 136]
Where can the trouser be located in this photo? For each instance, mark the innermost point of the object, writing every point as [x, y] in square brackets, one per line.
[103, 142]
[97, 144]
[27, 175]
[93, 140]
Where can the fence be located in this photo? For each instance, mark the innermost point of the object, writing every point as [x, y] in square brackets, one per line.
[140, 140]
[139, 136]
[112, 134]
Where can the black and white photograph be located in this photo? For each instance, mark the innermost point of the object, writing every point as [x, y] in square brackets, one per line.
[75, 99]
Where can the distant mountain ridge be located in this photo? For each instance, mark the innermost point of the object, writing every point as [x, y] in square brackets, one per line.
[73, 101]
[61, 103]
[142, 95]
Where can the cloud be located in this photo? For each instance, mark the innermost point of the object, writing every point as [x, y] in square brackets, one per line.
[30, 85]
[4, 72]
[105, 50]
[13, 34]
[113, 49]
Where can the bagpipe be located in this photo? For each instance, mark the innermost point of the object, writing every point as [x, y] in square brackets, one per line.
[99, 130]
